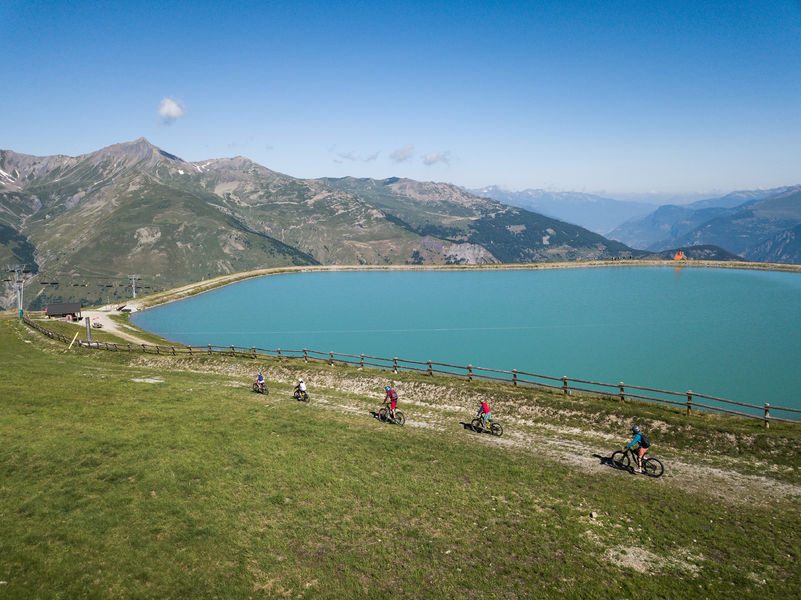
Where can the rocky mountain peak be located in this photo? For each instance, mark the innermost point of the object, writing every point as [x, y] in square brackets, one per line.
[133, 152]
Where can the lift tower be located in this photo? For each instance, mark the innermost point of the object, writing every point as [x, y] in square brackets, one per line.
[19, 271]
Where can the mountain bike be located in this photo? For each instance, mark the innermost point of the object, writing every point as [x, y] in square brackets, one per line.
[495, 428]
[260, 388]
[300, 396]
[384, 415]
[627, 459]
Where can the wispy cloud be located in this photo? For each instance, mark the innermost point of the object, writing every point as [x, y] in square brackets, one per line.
[402, 154]
[170, 110]
[437, 157]
[341, 157]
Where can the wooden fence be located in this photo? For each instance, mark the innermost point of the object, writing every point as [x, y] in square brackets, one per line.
[688, 400]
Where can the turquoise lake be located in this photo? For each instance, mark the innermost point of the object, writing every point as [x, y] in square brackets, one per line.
[729, 333]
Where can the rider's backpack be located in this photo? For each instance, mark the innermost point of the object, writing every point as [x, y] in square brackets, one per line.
[644, 440]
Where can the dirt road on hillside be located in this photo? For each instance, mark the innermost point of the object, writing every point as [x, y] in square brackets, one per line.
[111, 326]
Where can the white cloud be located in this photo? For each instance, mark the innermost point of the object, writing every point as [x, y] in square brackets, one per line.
[437, 157]
[170, 110]
[402, 154]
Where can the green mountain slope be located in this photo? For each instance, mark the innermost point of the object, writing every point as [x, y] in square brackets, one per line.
[747, 227]
[736, 222]
[450, 213]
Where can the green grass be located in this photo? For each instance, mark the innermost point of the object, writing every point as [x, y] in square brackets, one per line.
[195, 487]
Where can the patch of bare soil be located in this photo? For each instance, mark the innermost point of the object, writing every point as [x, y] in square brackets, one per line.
[645, 561]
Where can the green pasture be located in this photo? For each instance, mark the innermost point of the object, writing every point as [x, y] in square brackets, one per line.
[123, 479]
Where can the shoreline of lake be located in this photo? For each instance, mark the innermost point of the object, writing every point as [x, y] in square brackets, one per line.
[203, 286]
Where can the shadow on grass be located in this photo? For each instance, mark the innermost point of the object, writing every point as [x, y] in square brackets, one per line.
[607, 461]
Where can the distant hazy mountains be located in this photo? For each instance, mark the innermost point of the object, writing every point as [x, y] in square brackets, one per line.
[596, 213]
[133, 208]
[761, 225]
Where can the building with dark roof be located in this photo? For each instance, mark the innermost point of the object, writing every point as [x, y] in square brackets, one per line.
[64, 309]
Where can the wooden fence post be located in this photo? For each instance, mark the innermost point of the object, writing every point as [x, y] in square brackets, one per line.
[767, 415]
[395, 364]
[430, 368]
[190, 350]
[689, 402]
[173, 350]
[305, 355]
[469, 372]
[143, 349]
[253, 351]
[361, 361]
[209, 348]
[330, 359]
[232, 351]
[129, 348]
[279, 354]
[565, 386]
[514, 376]
[622, 391]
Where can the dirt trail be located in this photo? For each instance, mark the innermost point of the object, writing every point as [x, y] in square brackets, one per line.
[441, 409]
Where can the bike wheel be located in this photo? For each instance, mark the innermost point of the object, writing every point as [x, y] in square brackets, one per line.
[497, 429]
[400, 418]
[620, 460]
[475, 424]
[266, 391]
[382, 414]
[653, 467]
[305, 397]
[256, 387]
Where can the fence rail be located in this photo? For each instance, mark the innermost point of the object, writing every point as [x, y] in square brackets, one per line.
[515, 377]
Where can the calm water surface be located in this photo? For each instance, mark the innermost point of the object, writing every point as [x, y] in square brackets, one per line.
[729, 333]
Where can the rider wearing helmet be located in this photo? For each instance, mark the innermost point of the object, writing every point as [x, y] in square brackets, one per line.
[392, 398]
[301, 385]
[642, 445]
[484, 413]
[260, 381]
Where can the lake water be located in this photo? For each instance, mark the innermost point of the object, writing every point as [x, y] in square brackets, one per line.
[721, 332]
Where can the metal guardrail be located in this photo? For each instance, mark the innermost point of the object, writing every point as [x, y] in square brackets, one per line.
[515, 377]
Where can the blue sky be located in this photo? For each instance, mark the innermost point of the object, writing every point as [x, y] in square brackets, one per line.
[604, 96]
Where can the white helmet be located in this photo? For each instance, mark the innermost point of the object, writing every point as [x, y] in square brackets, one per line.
[300, 380]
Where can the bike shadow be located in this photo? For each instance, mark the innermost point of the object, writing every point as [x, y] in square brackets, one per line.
[377, 417]
[467, 426]
[607, 460]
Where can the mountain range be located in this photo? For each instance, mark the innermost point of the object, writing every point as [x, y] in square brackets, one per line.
[83, 224]
[758, 225]
[596, 213]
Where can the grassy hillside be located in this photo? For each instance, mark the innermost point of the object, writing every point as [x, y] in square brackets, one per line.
[130, 475]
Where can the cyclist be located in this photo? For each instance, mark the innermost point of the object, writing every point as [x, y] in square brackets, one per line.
[301, 386]
[260, 381]
[484, 413]
[642, 445]
[392, 398]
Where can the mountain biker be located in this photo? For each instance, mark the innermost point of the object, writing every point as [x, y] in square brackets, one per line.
[301, 386]
[392, 398]
[484, 413]
[642, 445]
[260, 381]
